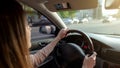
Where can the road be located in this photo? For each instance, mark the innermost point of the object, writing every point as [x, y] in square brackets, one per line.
[98, 27]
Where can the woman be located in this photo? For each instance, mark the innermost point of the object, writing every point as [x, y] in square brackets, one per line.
[15, 39]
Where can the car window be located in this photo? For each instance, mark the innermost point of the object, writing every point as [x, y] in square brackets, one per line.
[41, 26]
[95, 20]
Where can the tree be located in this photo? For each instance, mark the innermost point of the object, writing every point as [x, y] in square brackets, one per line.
[67, 14]
[64, 14]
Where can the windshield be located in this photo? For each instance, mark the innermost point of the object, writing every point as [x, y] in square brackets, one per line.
[96, 20]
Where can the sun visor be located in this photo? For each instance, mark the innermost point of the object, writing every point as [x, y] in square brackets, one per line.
[62, 5]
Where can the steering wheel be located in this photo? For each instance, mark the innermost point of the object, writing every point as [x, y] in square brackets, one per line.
[70, 54]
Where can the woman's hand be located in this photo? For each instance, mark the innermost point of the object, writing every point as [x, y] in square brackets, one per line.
[62, 33]
[89, 62]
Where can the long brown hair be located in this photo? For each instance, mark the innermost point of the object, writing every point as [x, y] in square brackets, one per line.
[13, 40]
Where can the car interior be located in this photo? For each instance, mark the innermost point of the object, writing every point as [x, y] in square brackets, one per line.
[80, 40]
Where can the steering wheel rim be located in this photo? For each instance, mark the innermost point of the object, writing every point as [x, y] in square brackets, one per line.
[72, 54]
[85, 38]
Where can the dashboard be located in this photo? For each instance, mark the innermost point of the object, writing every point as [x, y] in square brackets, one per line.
[107, 48]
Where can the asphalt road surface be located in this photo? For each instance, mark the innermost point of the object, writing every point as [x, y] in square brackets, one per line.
[98, 27]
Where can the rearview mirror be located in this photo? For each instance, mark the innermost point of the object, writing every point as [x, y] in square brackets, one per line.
[58, 5]
[112, 4]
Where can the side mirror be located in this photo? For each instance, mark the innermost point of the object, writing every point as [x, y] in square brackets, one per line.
[47, 29]
[112, 4]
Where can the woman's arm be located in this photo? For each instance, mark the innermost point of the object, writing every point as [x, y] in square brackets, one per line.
[44, 52]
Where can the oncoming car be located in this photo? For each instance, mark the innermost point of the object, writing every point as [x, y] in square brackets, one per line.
[83, 38]
[68, 21]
